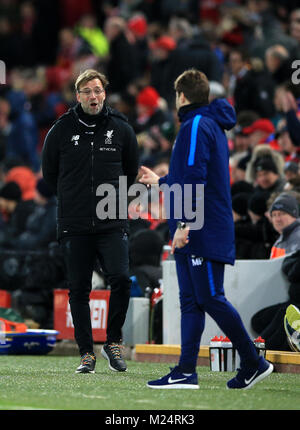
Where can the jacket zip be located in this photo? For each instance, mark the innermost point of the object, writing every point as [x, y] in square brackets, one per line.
[93, 221]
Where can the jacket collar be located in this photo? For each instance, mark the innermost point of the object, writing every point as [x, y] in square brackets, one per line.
[287, 230]
[187, 111]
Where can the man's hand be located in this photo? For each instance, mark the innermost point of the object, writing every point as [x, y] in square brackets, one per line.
[288, 101]
[148, 177]
[180, 239]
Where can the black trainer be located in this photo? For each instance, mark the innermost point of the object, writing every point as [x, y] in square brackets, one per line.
[112, 353]
[87, 363]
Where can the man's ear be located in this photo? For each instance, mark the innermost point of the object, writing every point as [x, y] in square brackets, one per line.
[182, 98]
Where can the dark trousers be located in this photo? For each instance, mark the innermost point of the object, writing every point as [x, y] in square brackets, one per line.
[201, 291]
[80, 252]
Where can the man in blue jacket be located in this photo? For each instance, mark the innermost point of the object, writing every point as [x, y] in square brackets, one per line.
[200, 156]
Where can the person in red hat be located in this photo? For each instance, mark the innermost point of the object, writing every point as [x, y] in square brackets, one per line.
[162, 45]
[262, 131]
[138, 28]
[149, 112]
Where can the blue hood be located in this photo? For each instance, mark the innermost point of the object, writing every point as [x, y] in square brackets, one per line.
[222, 112]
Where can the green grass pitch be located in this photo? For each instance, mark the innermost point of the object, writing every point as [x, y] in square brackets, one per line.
[50, 382]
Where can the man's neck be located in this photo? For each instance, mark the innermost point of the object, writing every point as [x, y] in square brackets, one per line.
[86, 118]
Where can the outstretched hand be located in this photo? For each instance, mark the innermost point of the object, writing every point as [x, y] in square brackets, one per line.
[148, 177]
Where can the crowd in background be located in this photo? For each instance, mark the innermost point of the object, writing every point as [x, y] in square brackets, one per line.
[247, 49]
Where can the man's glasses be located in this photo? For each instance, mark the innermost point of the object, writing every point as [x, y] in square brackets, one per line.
[88, 91]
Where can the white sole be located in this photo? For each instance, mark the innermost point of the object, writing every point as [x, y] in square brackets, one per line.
[261, 377]
[258, 379]
[109, 365]
[174, 387]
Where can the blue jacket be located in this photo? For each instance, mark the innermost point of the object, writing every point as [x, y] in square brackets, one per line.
[201, 156]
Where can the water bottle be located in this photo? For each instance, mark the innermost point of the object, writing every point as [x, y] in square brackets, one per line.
[228, 364]
[260, 346]
[215, 354]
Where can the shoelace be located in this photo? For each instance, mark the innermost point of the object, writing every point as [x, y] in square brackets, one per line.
[86, 359]
[115, 350]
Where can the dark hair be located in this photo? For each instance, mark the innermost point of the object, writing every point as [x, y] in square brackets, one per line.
[194, 85]
[242, 53]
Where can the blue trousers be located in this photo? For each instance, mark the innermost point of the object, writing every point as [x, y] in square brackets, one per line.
[201, 290]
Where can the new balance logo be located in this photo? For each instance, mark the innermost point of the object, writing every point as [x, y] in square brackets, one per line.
[75, 139]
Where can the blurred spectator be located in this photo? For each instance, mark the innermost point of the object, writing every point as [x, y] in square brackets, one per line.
[28, 17]
[138, 26]
[163, 59]
[22, 139]
[145, 252]
[121, 67]
[5, 126]
[254, 239]
[267, 177]
[94, 40]
[284, 213]
[126, 104]
[9, 43]
[267, 322]
[216, 91]
[40, 228]
[241, 223]
[241, 187]
[293, 184]
[250, 85]
[295, 25]
[69, 45]
[291, 170]
[261, 131]
[263, 28]
[265, 169]
[291, 109]
[72, 10]
[290, 151]
[239, 66]
[170, 60]
[241, 141]
[181, 30]
[15, 212]
[149, 110]
[238, 164]
[25, 178]
[278, 63]
[262, 233]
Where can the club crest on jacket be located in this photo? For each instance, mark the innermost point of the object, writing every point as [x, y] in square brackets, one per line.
[108, 135]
